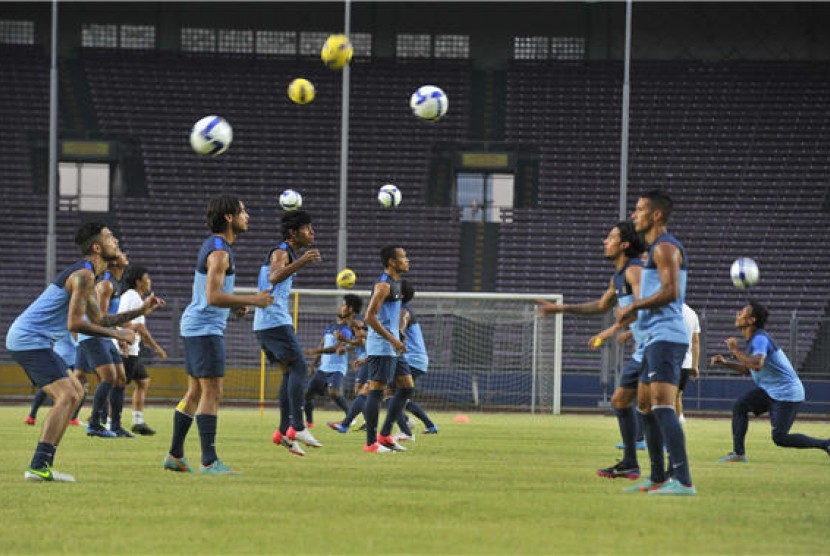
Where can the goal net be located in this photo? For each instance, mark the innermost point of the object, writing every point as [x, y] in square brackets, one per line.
[486, 351]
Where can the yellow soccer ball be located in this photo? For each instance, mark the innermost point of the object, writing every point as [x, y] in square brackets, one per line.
[346, 278]
[337, 52]
[301, 91]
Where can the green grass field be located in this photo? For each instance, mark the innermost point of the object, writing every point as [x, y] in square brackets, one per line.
[503, 484]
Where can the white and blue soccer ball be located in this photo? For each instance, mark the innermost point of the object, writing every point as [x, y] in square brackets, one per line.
[211, 136]
[429, 103]
[389, 196]
[744, 273]
[290, 200]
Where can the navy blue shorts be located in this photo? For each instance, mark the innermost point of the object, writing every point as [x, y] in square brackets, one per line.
[97, 352]
[416, 373]
[362, 376]
[280, 344]
[43, 366]
[384, 368]
[781, 414]
[662, 362]
[323, 380]
[631, 374]
[204, 356]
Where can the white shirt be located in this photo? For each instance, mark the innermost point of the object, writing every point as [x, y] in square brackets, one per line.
[692, 325]
[131, 300]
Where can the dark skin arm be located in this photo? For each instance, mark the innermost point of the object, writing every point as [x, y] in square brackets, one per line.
[379, 295]
[148, 339]
[667, 258]
[742, 363]
[632, 276]
[81, 288]
[218, 263]
[280, 268]
[596, 307]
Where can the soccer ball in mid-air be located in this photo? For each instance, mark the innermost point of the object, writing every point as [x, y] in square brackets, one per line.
[389, 196]
[346, 278]
[301, 91]
[290, 200]
[211, 136]
[429, 103]
[744, 273]
[337, 52]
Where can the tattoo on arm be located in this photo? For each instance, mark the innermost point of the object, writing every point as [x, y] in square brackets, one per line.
[121, 318]
[83, 301]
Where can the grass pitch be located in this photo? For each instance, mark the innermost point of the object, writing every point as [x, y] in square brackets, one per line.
[501, 484]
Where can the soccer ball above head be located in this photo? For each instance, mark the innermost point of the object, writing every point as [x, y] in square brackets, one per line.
[429, 103]
[211, 136]
[744, 273]
[389, 196]
[337, 52]
[290, 200]
[346, 278]
[301, 91]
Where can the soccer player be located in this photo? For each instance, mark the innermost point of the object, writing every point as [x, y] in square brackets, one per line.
[274, 327]
[333, 358]
[59, 310]
[658, 312]
[202, 328]
[361, 381]
[103, 357]
[66, 348]
[622, 246]
[138, 283]
[691, 360]
[384, 349]
[778, 390]
[417, 358]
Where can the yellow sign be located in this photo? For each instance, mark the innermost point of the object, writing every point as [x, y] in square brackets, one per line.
[485, 160]
[85, 148]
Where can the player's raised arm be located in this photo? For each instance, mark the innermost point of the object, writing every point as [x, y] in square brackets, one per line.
[281, 269]
[82, 301]
[217, 266]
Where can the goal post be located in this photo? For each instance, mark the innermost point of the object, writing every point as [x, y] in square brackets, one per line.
[487, 351]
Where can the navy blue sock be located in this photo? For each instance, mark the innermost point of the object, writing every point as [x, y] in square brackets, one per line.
[296, 394]
[285, 405]
[419, 412]
[395, 409]
[116, 406]
[207, 434]
[675, 441]
[99, 400]
[641, 428]
[181, 425]
[37, 401]
[309, 410]
[628, 432]
[341, 403]
[44, 455]
[354, 410]
[371, 412]
[654, 441]
[403, 425]
[80, 405]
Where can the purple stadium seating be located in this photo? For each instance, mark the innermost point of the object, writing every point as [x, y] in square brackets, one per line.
[741, 147]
